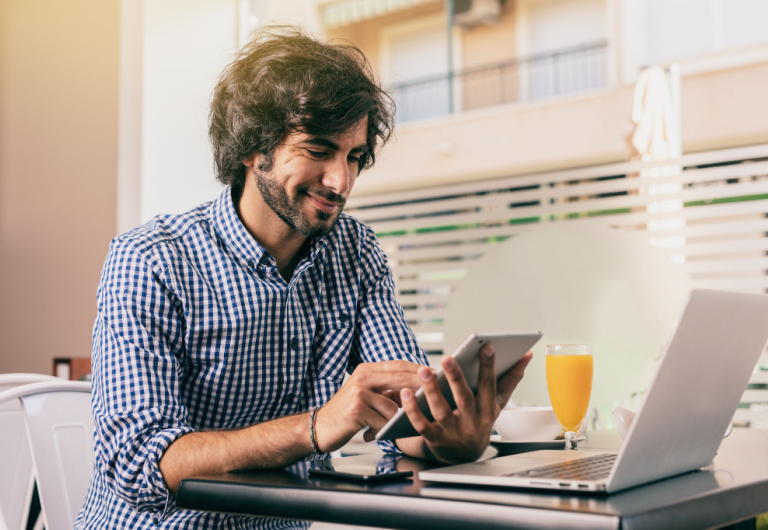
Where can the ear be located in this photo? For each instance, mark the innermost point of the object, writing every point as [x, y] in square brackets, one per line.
[251, 161]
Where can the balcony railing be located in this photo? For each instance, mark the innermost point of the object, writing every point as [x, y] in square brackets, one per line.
[567, 71]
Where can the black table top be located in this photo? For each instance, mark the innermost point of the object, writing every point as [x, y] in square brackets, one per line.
[734, 488]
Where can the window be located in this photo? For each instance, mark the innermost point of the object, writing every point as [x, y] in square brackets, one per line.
[415, 67]
[558, 28]
[679, 29]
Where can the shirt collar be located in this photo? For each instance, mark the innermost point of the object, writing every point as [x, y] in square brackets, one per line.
[240, 242]
[229, 227]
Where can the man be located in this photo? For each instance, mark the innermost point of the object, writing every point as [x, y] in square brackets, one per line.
[223, 335]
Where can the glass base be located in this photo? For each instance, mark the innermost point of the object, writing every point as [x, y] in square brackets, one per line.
[571, 440]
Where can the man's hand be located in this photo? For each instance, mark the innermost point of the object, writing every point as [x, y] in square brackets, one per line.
[462, 435]
[365, 400]
[362, 401]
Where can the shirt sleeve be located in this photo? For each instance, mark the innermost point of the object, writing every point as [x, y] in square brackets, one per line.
[137, 343]
[383, 332]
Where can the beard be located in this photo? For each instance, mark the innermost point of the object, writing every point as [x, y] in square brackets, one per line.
[289, 210]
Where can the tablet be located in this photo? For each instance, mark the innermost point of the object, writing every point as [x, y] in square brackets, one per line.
[510, 348]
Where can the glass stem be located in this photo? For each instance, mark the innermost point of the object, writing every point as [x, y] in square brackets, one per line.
[570, 440]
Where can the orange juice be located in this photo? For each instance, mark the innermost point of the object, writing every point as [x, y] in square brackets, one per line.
[569, 380]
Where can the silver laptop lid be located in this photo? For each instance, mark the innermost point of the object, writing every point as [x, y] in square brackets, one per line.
[696, 389]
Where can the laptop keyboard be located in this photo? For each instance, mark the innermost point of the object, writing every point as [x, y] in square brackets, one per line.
[588, 468]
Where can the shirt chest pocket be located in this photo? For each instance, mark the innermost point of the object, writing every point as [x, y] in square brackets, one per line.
[331, 344]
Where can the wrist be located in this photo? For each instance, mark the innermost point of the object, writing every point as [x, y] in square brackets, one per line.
[313, 429]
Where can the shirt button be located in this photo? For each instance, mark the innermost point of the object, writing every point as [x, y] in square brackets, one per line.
[343, 317]
[288, 398]
[294, 343]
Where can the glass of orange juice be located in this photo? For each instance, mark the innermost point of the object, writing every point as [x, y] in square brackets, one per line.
[569, 381]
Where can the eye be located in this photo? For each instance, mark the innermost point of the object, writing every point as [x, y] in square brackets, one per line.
[317, 154]
[352, 159]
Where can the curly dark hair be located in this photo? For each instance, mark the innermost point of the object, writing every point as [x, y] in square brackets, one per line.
[286, 81]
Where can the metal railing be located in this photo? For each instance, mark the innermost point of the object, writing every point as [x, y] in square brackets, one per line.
[567, 71]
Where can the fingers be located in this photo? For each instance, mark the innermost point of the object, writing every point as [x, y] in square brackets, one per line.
[466, 403]
[462, 394]
[382, 408]
[440, 409]
[486, 384]
[390, 366]
[438, 406]
[509, 382]
[394, 396]
[367, 399]
[419, 422]
[369, 435]
[352, 409]
[387, 375]
[461, 435]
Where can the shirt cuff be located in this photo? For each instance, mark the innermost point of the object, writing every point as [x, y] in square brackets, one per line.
[155, 496]
[389, 447]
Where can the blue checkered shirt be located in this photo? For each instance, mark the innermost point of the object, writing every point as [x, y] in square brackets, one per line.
[197, 330]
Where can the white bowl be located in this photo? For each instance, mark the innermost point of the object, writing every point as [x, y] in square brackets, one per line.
[528, 424]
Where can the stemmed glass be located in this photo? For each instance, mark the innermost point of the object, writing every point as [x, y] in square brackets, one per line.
[569, 381]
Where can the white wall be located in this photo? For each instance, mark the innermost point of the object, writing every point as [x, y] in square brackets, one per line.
[131, 75]
[186, 45]
[172, 53]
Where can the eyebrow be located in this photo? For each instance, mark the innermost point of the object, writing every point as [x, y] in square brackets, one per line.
[330, 144]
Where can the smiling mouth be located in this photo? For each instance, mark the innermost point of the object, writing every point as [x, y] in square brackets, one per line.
[325, 205]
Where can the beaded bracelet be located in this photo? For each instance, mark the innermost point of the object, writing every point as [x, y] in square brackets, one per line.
[312, 432]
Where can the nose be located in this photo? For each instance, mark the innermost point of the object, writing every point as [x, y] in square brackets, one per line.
[339, 175]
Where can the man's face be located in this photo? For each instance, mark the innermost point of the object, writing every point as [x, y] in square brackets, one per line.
[311, 178]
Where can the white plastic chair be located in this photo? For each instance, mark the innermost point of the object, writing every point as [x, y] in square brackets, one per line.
[59, 426]
[17, 479]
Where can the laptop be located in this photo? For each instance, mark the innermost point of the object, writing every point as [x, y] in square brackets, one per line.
[686, 410]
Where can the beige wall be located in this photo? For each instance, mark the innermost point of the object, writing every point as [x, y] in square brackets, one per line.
[58, 166]
[504, 141]
[725, 108]
[488, 44]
